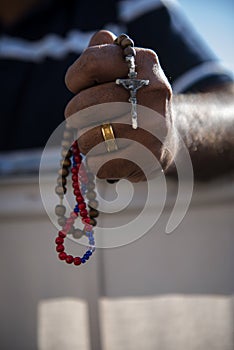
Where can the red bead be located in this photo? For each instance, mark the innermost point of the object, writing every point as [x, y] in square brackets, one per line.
[88, 227]
[75, 185]
[70, 221]
[80, 199]
[62, 234]
[77, 192]
[86, 220]
[69, 259]
[59, 240]
[84, 213]
[67, 227]
[78, 159]
[60, 248]
[74, 171]
[62, 256]
[74, 178]
[77, 260]
[82, 206]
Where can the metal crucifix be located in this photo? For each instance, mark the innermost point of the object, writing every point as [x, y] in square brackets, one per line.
[132, 84]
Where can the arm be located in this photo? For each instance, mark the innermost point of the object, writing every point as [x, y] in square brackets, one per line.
[205, 122]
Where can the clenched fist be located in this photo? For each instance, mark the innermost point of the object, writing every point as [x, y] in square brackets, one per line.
[92, 80]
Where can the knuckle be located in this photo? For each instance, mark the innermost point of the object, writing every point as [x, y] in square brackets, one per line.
[67, 78]
[144, 56]
[88, 61]
[151, 55]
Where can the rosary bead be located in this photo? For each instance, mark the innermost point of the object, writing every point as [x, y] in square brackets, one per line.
[66, 144]
[71, 230]
[93, 213]
[91, 195]
[119, 39]
[129, 51]
[66, 153]
[75, 178]
[62, 234]
[126, 42]
[93, 222]
[67, 135]
[69, 128]
[90, 186]
[66, 228]
[77, 260]
[62, 256]
[60, 210]
[61, 180]
[77, 192]
[93, 204]
[59, 240]
[77, 234]
[60, 248]
[60, 190]
[69, 259]
[78, 159]
[84, 213]
[90, 176]
[80, 182]
[80, 199]
[70, 221]
[65, 163]
[63, 172]
[82, 206]
[74, 171]
[88, 228]
[62, 221]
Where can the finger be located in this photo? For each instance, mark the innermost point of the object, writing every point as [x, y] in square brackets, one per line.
[118, 169]
[107, 92]
[124, 164]
[101, 64]
[124, 135]
[93, 137]
[92, 102]
[96, 65]
[102, 37]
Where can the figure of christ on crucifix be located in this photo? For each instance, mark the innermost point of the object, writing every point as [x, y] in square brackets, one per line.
[132, 85]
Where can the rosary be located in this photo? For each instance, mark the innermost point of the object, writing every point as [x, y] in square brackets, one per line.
[83, 180]
[132, 84]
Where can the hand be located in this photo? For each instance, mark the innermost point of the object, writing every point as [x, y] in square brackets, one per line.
[92, 79]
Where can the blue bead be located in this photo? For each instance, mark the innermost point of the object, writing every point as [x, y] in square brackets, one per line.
[89, 233]
[76, 210]
[83, 260]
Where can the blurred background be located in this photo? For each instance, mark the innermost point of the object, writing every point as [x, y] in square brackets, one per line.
[214, 20]
[158, 293]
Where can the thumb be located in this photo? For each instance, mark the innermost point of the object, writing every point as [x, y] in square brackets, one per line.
[102, 37]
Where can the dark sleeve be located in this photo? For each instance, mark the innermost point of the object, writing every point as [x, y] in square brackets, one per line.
[185, 58]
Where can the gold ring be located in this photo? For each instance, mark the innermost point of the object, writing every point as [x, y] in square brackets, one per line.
[109, 137]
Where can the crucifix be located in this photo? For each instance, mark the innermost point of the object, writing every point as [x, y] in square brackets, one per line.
[132, 84]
